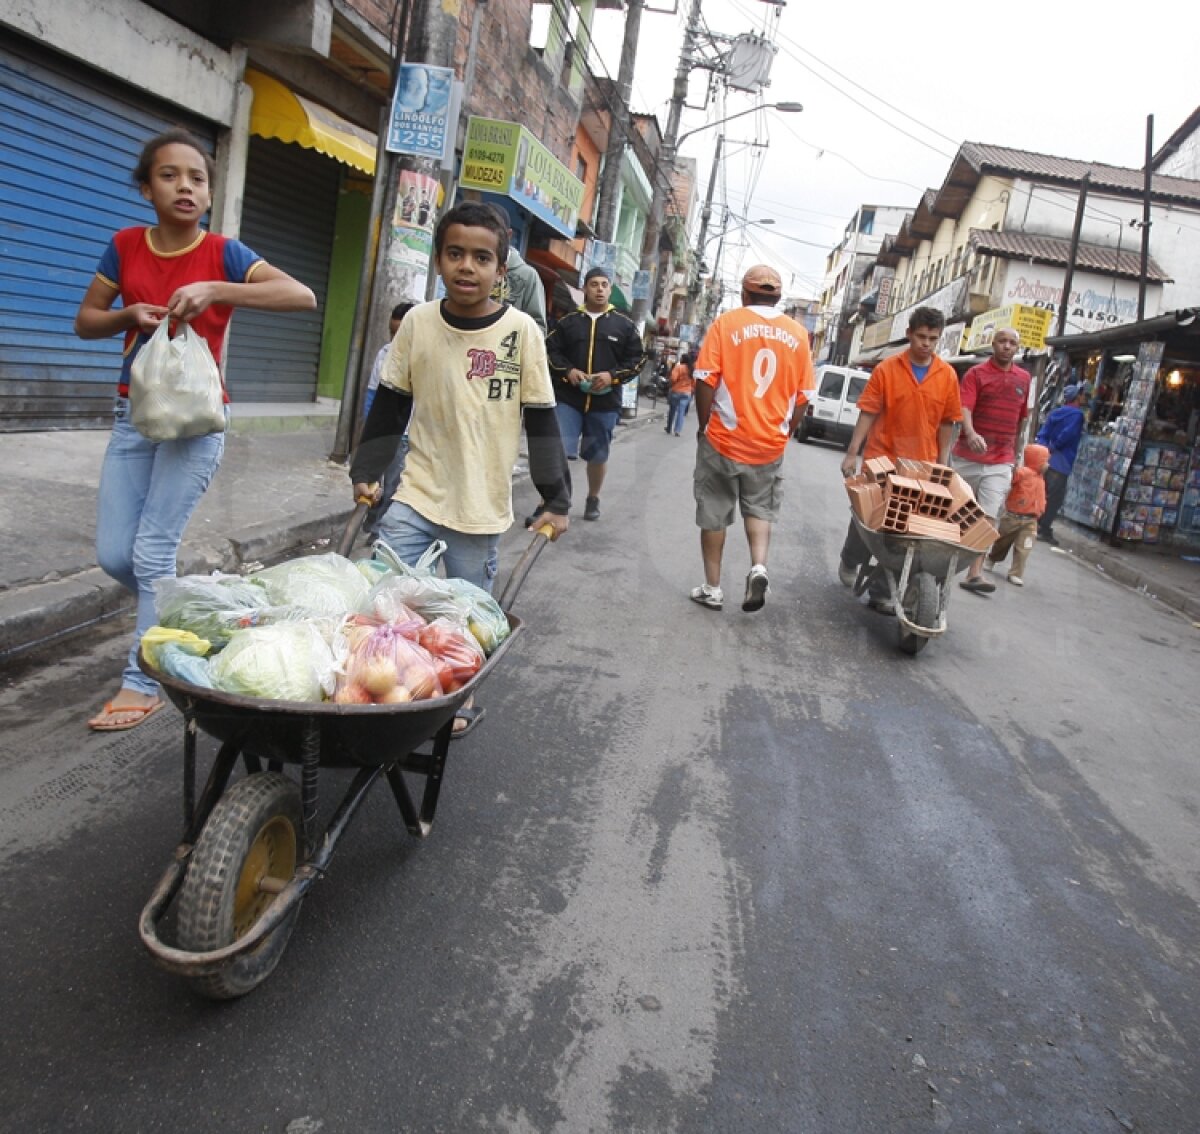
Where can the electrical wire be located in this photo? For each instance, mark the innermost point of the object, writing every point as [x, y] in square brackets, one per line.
[858, 86]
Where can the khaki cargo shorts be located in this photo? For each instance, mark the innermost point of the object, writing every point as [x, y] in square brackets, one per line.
[721, 485]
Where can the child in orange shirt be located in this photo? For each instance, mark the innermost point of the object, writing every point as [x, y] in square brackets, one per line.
[1025, 504]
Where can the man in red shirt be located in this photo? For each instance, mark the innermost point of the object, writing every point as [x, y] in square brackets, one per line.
[908, 409]
[751, 378]
[995, 403]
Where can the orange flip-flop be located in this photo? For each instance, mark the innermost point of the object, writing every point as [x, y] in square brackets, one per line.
[142, 711]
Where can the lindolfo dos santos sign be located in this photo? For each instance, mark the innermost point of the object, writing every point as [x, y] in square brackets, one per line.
[504, 157]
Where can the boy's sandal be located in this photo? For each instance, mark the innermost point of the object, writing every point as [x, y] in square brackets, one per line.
[139, 714]
[471, 715]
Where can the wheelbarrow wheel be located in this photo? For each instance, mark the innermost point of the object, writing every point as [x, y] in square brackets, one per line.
[246, 853]
[921, 607]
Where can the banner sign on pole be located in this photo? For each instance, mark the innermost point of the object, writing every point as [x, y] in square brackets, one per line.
[641, 284]
[421, 121]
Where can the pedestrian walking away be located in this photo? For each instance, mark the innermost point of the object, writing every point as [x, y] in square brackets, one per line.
[593, 351]
[179, 272]
[465, 370]
[1018, 523]
[1060, 433]
[683, 386]
[908, 409]
[752, 377]
[995, 404]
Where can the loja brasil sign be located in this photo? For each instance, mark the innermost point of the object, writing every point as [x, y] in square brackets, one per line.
[504, 157]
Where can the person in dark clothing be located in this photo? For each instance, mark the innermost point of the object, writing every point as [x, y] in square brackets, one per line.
[592, 352]
[1060, 433]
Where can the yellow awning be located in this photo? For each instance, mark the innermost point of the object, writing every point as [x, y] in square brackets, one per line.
[281, 113]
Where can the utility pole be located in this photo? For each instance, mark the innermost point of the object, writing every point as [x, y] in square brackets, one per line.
[430, 38]
[620, 121]
[1069, 278]
[1147, 189]
[664, 181]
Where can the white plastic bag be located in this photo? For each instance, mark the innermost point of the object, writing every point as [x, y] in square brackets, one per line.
[175, 387]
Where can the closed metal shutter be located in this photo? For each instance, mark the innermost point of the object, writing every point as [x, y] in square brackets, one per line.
[69, 139]
[289, 211]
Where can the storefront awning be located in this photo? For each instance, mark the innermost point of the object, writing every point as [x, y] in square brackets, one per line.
[618, 300]
[281, 113]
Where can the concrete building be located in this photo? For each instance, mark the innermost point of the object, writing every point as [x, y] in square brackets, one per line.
[846, 267]
[998, 232]
[289, 96]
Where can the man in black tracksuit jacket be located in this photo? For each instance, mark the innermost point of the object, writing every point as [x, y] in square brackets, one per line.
[592, 352]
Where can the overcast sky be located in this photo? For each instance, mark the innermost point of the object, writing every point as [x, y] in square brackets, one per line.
[1070, 80]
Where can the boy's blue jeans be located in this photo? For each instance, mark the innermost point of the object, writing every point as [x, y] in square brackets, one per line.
[472, 557]
[148, 492]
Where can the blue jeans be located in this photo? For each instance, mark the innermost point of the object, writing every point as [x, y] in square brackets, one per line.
[148, 492]
[472, 557]
[587, 435]
[677, 407]
[391, 481]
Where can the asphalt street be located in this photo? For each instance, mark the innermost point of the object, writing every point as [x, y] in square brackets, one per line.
[696, 871]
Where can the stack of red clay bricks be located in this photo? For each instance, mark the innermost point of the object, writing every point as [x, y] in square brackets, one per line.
[919, 498]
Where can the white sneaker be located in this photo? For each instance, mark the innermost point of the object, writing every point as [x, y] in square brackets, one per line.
[1016, 580]
[712, 597]
[756, 588]
[846, 574]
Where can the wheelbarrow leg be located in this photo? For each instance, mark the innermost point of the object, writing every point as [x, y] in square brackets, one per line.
[310, 764]
[420, 823]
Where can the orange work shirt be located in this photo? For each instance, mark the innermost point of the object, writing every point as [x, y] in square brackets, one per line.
[682, 381]
[909, 412]
[758, 362]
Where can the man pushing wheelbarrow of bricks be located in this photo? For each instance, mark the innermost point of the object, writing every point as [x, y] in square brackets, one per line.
[908, 410]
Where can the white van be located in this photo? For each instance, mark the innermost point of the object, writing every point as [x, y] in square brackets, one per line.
[832, 411]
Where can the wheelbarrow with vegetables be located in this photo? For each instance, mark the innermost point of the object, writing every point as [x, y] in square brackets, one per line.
[252, 845]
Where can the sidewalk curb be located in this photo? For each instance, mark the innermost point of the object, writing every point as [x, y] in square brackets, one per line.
[1092, 554]
[35, 613]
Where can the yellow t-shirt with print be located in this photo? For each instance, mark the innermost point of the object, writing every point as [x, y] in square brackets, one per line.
[468, 389]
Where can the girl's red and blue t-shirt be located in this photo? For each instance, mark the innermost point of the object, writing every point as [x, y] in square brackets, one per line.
[142, 274]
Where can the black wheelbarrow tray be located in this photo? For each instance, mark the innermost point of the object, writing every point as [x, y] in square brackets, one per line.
[251, 848]
[918, 571]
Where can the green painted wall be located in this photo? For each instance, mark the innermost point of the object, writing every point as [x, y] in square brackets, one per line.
[349, 244]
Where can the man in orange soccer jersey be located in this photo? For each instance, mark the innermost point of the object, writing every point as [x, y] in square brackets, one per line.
[751, 376]
[908, 409]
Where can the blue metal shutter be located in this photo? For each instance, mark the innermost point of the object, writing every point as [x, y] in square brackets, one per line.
[289, 210]
[69, 139]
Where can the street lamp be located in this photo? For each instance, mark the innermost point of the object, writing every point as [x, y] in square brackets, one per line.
[786, 107]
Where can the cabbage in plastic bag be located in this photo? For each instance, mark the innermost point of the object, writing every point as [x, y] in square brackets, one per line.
[321, 584]
[210, 606]
[289, 661]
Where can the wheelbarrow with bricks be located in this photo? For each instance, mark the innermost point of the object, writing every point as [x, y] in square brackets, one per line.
[922, 525]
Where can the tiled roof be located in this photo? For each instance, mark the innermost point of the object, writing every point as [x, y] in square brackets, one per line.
[1043, 167]
[1057, 250]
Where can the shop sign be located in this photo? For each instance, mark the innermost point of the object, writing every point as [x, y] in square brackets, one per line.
[1031, 323]
[423, 112]
[504, 157]
[886, 277]
[1095, 301]
[946, 299]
